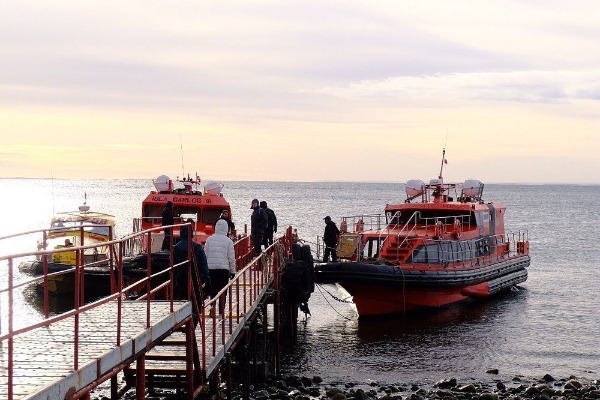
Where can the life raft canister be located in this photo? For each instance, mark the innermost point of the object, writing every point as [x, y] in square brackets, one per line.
[343, 226]
[457, 229]
[360, 226]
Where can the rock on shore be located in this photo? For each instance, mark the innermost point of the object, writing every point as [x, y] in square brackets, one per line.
[304, 388]
[546, 388]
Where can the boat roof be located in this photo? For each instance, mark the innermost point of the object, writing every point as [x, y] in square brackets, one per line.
[438, 195]
[188, 194]
[84, 217]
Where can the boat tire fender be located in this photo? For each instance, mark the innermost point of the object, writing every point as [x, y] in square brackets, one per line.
[297, 251]
[297, 282]
[308, 260]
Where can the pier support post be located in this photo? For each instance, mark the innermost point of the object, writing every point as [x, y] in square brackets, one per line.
[140, 378]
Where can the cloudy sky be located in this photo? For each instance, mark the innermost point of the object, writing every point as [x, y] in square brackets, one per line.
[301, 90]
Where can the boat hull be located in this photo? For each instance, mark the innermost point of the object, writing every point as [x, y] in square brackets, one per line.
[379, 289]
[97, 278]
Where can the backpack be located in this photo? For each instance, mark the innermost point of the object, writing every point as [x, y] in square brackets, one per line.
[264, 216]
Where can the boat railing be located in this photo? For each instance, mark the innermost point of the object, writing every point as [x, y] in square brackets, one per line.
[469, 252]
[363, 222]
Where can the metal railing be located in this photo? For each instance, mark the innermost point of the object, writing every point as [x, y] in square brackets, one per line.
[254, 277]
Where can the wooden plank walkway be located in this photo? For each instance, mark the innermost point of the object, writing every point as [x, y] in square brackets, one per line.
[43, 358]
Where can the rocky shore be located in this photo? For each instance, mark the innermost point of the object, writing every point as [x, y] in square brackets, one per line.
[304, 388]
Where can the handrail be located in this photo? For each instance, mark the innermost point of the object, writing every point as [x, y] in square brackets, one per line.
[257, 274]
[9, 335]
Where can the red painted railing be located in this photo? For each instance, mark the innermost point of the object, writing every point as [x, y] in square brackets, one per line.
[254, 277]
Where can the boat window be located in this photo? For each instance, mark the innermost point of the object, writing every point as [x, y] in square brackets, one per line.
[212, 214]
[372, 247]
[153, 213]
[482, 218]
[99, 230]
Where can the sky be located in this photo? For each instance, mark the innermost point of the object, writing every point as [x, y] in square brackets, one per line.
[301, 90]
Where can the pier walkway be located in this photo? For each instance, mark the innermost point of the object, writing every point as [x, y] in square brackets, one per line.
[66, 355]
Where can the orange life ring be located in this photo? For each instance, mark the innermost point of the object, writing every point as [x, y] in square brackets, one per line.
[439, 229]
[457, 229]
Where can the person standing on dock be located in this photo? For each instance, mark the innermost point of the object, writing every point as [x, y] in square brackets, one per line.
[271, 224]
[167, 219]
[330, 238]
[258, 226]
[180, 253]
[225, 216]
[220, 255]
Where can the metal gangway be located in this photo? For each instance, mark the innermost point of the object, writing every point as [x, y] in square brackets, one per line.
[65, 355]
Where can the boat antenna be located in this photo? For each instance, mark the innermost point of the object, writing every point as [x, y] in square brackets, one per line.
[444, 161]
[181, 148]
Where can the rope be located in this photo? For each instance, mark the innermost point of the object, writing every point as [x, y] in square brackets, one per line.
[320, 287]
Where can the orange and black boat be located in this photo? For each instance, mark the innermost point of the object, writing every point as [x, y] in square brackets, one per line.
[202, 206]
[443, 245]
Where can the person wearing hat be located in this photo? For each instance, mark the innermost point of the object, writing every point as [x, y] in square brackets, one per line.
[258, 225]
[330, 238]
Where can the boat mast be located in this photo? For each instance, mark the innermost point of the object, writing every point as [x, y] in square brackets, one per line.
[443, 162]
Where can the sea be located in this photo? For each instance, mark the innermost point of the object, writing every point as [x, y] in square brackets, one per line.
[549, 324]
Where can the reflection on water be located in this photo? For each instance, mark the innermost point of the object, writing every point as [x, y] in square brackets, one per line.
[549, 326]
[34, 296]
[459, 340]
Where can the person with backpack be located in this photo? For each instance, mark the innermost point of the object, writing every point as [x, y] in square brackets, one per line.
[271, 224]
[258, 226]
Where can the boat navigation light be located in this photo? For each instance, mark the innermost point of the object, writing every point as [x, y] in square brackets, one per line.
[162, 183]
[414, 187]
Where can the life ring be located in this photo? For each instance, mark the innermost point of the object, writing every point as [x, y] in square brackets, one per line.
[439, 229]
[457, 229]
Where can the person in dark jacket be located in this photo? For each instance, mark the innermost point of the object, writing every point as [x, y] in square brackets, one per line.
[330, 238]
[271, 224]
[258, 226]
[180, 252]
[167, 219]
[225, 215]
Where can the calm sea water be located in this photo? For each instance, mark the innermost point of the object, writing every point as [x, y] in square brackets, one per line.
[551, 324]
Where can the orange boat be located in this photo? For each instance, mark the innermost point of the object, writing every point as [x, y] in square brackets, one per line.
[201, 206]
[443, 245]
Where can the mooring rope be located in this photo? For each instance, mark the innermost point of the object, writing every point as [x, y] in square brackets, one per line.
[321, 288]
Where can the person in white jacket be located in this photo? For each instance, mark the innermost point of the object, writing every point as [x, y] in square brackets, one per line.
[220, 256]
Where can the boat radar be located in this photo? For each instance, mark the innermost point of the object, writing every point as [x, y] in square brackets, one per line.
[414, 187]
[472, 188]
[163, 184]
[213, 188]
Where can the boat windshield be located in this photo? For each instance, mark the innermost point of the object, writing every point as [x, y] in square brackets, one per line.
[430, 217]
[206, 215]
[70, 226]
